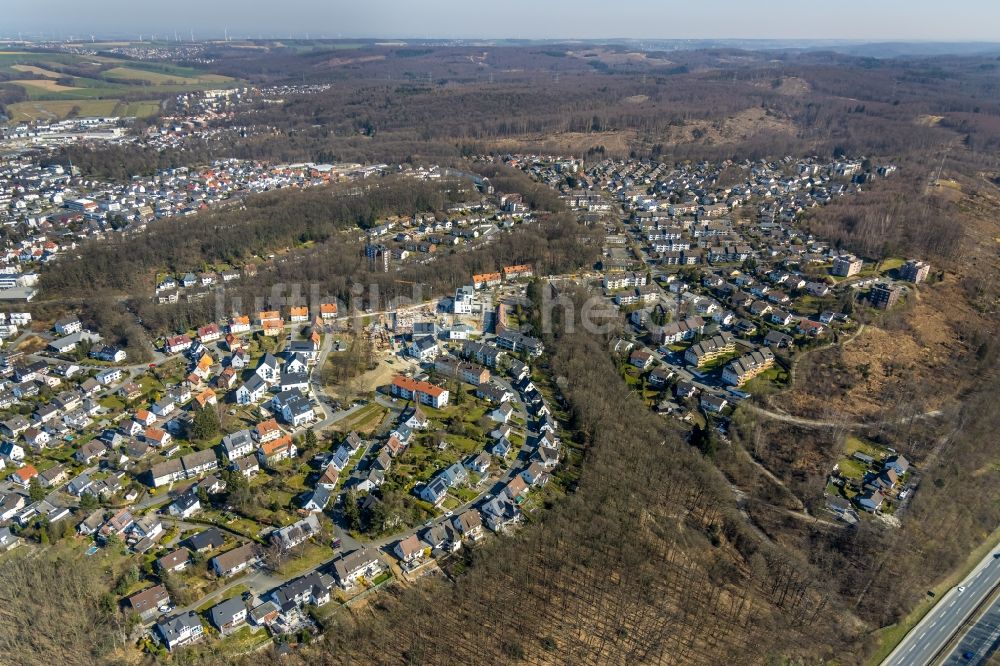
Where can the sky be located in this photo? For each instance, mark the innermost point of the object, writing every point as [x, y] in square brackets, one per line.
[868, 20]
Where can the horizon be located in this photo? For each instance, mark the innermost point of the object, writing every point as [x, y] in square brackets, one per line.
[586, 20]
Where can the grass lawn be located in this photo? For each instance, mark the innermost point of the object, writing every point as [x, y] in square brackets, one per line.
[767, 382]
[234, 591]
[364, 420]
[854, 444]
[463, 445]
[243, 641]
[296, 483]
[112, 402]
[312, 557]
[891, 263]
[852, 469]
[465, 494]
[381, 578]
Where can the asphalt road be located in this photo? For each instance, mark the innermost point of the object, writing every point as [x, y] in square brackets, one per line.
[980, 642]
[932, 633]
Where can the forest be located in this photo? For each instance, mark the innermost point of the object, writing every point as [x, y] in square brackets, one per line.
[240, 234]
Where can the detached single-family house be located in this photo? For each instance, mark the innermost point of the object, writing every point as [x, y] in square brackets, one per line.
[408, 550]
[237, 444]
[871, 500]
[252, 391]
[22, 476]
[229, 615]
[236, 560]
[469, 524]
[175, 560]
[181, 630]
[434, 491]
[351, 568]
[185, 506]
[12, 453]
[147, 603]
[205, 541]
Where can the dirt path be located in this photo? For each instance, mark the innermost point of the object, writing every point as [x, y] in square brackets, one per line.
[817, 423]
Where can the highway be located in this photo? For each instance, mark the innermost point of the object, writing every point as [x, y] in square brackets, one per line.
[925, 641]
[980, 642]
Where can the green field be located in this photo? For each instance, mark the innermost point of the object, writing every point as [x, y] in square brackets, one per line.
[66, 84]
[165, 78]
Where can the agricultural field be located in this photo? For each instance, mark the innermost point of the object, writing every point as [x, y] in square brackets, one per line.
[165, 78]
[41, 86]
[63, 84]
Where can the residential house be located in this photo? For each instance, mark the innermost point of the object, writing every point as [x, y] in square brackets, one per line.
[713, 403]
[239, 324]
[297, 411]
[236, 560]
[535, 474]
[297, 533]
[177, 344]
[157, 437]
[237, 444]
[146, 603]
[209, 333]
[229, 615]
[205, 541]
[641, 359]
[252, 391]
[469, 524]
[434, 491]
[180, 630]
[53, 476]
[165, 473]
[175, 560]
[268, 369]
[12, 453]
[185, 506]
[423, 348]
[409, 550]
[68, 325]
[248, 466]
[502, 414]
[871, 500]
[274, 451]
[349, 569]
[90, 451]
[266, 431]
[10, 505]
[899, 464]
[22, 476]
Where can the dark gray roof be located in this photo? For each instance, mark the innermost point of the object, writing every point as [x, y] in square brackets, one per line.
[221, 614]
[210, 538]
